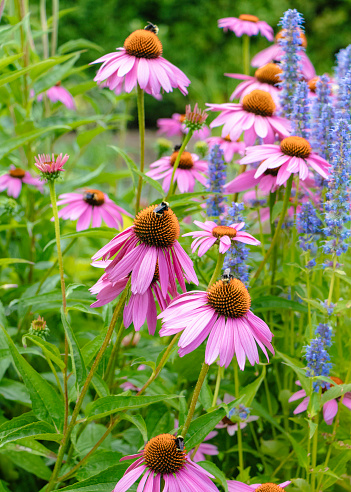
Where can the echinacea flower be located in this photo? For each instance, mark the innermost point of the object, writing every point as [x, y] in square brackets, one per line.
[330, 408]
[59, 93]
[222, 234]
[293, 155]
[246, 24]
[162, 459]
[151, 240]
[266, 79]
[190, 169]
[206, 449]
[50, 166]
[235, 486]
[140, 62]
[174, 127]
[91, 206]
[267, 182]
[228, 147]
[140, 307]
[13, 179]
[254, 115]
[223, 315]
[275, 52]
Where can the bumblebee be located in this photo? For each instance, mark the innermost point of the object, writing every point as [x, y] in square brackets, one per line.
[163, 207]
[151, 27]
[227, 276]
[179, 442]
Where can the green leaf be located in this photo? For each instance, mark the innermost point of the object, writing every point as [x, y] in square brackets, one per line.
[49, 350]
[78, 364]
[56, 75]
[216, 472]
[202, 426]
[30, 462]
[113, 404]
[14, 225]
[15, 391]
[278, 207]
[84, 138]
[138, 421]
[267, 303]
[313, 427]
[299, 369]
[335, 392]
[80, 181]
[79, 44]
[130, 163]
[100, 232]
[103, 481]
[46, 403]
[7, 60]
[152, 182]
[248, 393]
[39, 430]
[16, 423]
[9, 261]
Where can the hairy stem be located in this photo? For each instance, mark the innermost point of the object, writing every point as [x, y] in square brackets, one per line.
[246, 54]
[55, 22]
[200, 381]
[177, 161]
[218, 269]
[141, 120]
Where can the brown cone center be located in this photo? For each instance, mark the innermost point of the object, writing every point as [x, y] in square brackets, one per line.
[186, 161]
[269, 487]
[259, 102]
[157, 230]
[248, 17]
[143, 44]
[221, 231]
[94, 197]
[280, 35]
[312, 84]
[230, 299]
[182, 118]
[17, 173]
[271, 172]
[269, 74]
[162, 456]
[296, 147]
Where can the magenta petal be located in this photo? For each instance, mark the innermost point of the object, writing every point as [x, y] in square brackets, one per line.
[330, 409]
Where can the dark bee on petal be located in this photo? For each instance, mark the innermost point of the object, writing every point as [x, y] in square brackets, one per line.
[179, 441]
[227, 276]
[176, 148]
[163, 207]
[151, 27]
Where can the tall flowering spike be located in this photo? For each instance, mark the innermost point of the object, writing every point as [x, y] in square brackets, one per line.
[343, 63]
[325, 332]
[50, 166]
[337, 198]
[344, 95]
[236, 257]
[318, 361]
[300, 117]
[217, 176]
[291, 44]
[322, 117]
[308, 225]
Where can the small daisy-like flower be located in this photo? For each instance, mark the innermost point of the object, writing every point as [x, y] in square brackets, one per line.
[91, 206]
[190, 169]
[175, 127]
[50, 166]
[59, 93]
[151, 240]
[140, 62]
[235, 486]
[140, 307]
[223, 315]
[162, 459]
[223, 235]
[229, 148]
[293, 155]
[330, 408]
[254, 115]
[266, 79]
[246, 24]
[275, 53]
[13, 179]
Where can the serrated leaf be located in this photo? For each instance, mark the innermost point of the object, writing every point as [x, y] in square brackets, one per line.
[216, 472]
[202, 426]
[38, 430]
[113, 404]
[77, 359]
[46, 403]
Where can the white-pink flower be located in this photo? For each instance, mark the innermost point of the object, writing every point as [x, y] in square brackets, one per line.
[246, 24]
[13, 179]
[49, 164]
[229, 147]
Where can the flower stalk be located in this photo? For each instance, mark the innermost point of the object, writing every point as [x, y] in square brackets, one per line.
[176, 164]
[141, 121]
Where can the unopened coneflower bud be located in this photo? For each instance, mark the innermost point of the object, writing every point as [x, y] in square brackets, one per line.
[50, 166]
[162, 146]
[195, 119]
[39, 328]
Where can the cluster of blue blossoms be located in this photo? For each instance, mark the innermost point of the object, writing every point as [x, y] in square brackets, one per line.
[216, 180]
[322, 119]
[300, 114]
[317, 357]
[240, 411]
[308, 225]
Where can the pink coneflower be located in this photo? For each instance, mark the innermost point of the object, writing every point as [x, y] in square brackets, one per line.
[229, 148]
[235, 486]
[13, 179]
[330, 408]
[274, 54]
[49, 164]
[223, 315]
[206, 449]
[267, 182]
[190, 169]
[254, 115]
[246, 24]
[266, 79]
[174, 127]
[161, 458]
[140, 62]
[223, 235]
[59, 93]
[91, 205]
[151, 240]
[140, 307]
[291, 156]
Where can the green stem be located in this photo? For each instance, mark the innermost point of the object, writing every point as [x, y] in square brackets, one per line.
[277, 231]
[332, 282]
[55, 22]
[44, 27]
[218, 269]
[141, 120]
[308, 289]
[110, 370]
[239, 434]
[218, 384]
[177, 161]
[200, 381]
[314, 457]
[117, 312]
[269, 403]
[246, 54]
